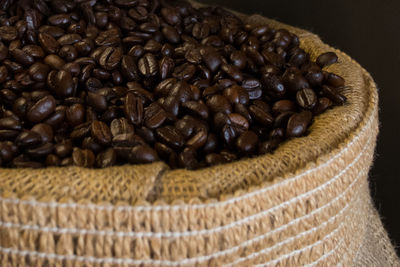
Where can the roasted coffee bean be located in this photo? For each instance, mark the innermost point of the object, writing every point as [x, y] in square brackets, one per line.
[75, 114]
[260, 115]
[148, 65]
[166, 66]
[28, 139]
[63, 149]
[297, 124]
[143, 154]
[101, 133]
[247, 142]
[110, 58]
[306, 98]
[326, 59]
[54, 61]
[322, 105]
[196, 109]
[121, 126]
[10, 123]
[283, 105]
[48, 43]
[83, 158]
[219, 103]
[97, 101]
[295, 81]
[61, 82]
[52, 160]
[40, 151]
[41, 109]
[68, 52]
[22, 57]
[106, 158]
[8, 33]
[333, 95]
[45, 131]
[133, 109]
[239, 121]
[39, 71]
[80, 131]
[170, 136]
[333, 79]
[188, 158]
[154, 116]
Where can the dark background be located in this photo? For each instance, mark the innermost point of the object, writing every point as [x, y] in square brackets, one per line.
[369, 31]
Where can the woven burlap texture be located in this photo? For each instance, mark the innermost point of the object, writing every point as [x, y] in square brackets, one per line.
[306, 204]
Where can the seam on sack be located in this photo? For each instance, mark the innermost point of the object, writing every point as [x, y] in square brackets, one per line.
[193, 206]
[60, 230]
[189, 260]
[302, 233]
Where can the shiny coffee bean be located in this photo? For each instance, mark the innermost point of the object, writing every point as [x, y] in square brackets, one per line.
[326, 59]
[83, 158]
[142, 154]
[306, 98]
[297, 124]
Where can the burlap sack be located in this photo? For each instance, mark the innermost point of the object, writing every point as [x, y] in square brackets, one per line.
[306, 204]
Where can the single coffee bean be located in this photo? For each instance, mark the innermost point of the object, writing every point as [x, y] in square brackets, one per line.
[196, 108]
[260, 115]
[297, 124]
[41, 109]
[133, 109]
[38, 71]
[148, 65]
[106, 159]
[83, 158]
[28, 139]
[48, 43]
[333, 79]
[247, 142]
[333, 95]
[219, 103]
[170, 136]
[306, 98]
[63, 149]
[326, 59]
[121, 126]
[61, 82]
[143, 154]
[52, 160]
[101, 132]
[22, 57]
[323, 104]
[75, 114]
[45, 131]
[154, 116]
[40, 151]
[97, 101]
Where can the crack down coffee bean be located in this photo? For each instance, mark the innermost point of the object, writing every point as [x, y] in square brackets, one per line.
[112, 82]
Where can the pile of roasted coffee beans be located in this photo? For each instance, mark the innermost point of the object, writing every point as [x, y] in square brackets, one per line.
[110, 82]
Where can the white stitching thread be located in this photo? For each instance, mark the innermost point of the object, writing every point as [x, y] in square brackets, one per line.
[189, 260]
[301, 234]
[185, 233]
[189, 206]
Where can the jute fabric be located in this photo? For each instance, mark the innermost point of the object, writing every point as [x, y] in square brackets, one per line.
[307, 204]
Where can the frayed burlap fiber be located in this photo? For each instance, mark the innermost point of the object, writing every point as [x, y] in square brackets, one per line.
[307, 204]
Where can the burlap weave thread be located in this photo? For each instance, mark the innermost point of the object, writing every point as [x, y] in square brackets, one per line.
[307, 204]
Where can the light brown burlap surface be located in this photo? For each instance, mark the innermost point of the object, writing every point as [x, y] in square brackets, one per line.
[307, 204]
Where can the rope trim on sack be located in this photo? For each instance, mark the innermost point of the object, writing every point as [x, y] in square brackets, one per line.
[194, 206]
[90, 259]
[60, 230]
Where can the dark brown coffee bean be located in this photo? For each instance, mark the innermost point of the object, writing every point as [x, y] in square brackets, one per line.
[154, 116]
[297, 124]
[97, 101]
[48, 43]
[133, 109]
[333, 79]
[282, 119]
[110, 58]
[215, 159]
[75, 114]
[171, 15]
[59, 20]
[22, 57]
[236, 95]
[333, 95]
[274, 85]
[233, 72]
[170, 136]
[142, 154]
[196, 108]
[107, 158]
[295, 81]
[54, 61]
[41, 109]
[28, 139]
[238, 59]
[8, 33]
[167, 65]
[83, 158]
[68, 52]
[121, 126]
[306, 98]
[148, 65]
[45, 131]
[239, 121]
[129, 68]
[3, 74]
[52, 160]
[10, 123]
[61, 82]
[283, 105]
[40, 151]
[80, 131]
[101, 132]
[213, 61]
[219, 103]
[184, 72]
[326, 59]
[39, 71]
[57, 117]
[260, 115]
[187, 159]
[63, 149]
[323, 104]
[247, 142]
[3, 51]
